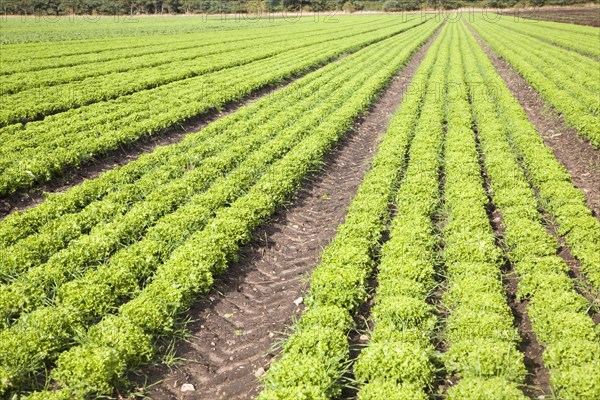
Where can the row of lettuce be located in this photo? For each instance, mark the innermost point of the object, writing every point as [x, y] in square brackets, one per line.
[565, 204]
[34, 95]
[134, 247]
[576, 38]
[568, 81]
[112, 56]
[559, 314]
[42, 35]
[483, 344]
[40, 151]
[133, 293]
[480, 343]
[317, 353]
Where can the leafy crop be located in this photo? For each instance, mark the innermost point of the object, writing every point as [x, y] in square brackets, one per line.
[400, 354]
[557, 312]
[77, 135]
[483, 344]
[99, 363]
[567, 81]
[338, 284]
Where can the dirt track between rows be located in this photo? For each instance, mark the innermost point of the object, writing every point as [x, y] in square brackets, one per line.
[577, 155]
[253, 303]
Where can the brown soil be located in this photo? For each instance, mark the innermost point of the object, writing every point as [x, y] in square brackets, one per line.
[235, 331]
[578, 156]
[359, 337]
[581, 16]
[27, 198]
[537, 382]
[582, 286]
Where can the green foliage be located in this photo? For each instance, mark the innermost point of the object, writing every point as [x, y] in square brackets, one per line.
[479, 330]
[49, 146]
[580, 381]
[399, 356]
[484, 357]
[386, 390]
[291, 118]
[566, 80]
[474, 388]
[558, 313]
[294, 392]
[91, 369]
[395, 362]
[338, 284]
[187, 272]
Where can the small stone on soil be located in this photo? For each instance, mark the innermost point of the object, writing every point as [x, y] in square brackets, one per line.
[188, 387]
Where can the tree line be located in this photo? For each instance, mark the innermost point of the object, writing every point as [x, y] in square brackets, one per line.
[115, 7]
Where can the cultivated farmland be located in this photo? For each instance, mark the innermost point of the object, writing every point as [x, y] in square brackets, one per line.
[385, 206]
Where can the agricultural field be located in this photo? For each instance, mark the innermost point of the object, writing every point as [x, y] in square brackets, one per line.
[372, 207]
[580, 15]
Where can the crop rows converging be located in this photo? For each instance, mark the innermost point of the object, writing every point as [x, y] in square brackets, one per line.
[441, 323]
[467, 266]
[74, 136]
[126, 253]
[576, 38]
[559, 314]
[568, 81]
[33, 33]
[103, 55]
[32, 95]
[560, 199]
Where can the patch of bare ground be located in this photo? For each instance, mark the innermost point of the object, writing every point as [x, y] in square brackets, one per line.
[443, 380]
[537, 382]
[579, 157]
[577, 15]
[255, 301]
[359, 337]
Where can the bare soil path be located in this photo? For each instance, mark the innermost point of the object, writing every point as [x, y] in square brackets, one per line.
[253, 303]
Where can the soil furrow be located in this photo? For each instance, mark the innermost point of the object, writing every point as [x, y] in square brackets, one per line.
[581, 284]
[537, 383]
[577, 155]
[260, 295]
[27, 198]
